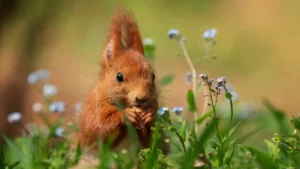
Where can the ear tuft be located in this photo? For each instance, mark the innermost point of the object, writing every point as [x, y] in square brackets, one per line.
[133, 37]
[124, 34]
[109, 51]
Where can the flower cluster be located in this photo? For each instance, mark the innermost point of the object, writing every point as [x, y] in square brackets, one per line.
[77, 106]
[41, 74]
[148, 42]
[49, 90]
[59, 131]
[210, 34]
[173, 34]
[178, 110]
[188, 78]
[37, 107]
[221, 81]
[162, 111]
[14, 117]
[57, 106]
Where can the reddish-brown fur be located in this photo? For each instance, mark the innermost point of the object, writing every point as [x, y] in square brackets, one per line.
[100, 117]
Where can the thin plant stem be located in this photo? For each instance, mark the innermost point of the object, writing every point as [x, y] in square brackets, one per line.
[207, 47]
[215, 113]
[24, 128]
[190, 63]
[205, 160]
[205, 101]
[217, 123]
[216, 101]
[231, 105]
[180, 139]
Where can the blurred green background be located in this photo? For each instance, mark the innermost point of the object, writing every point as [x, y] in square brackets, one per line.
[257, 44]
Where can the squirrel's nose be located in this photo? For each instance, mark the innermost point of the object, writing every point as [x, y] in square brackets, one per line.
[141, 100]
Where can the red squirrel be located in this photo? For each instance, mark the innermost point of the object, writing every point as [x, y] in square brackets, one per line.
[125, 78]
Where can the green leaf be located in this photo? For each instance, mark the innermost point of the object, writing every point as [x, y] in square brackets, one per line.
[2, 156]
[271, 147]
[183, 131]
[296, 122]
[193, 152]
[104, 150]
[281, 118]
[14, 164]
[191, 101]
[165, 117]
[192, 137]
[214, 144]
[153, 128]
[172, 128]
[178, 147]
[77, 155]
[229, 152]
[203, 117]
[156, 136]
[114, 155]
[246, 136]
[231, 132]
[166, 80]
[228, 95]
[133, 135]
[149, 51]
[17, 153]
[46, 120]
[263, 159]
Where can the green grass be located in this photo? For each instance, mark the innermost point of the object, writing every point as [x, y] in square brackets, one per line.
[223, 135]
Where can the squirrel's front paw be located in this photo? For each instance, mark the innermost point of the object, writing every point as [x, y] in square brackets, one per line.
[133, 117]
[148, 118]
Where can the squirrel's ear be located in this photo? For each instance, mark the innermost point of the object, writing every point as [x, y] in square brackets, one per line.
[133, 37]
[114, 44]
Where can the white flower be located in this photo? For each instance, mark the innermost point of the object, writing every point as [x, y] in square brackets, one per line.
[148, 42]
[188, 77]
[59, 131]
[203, 76]
[77, 106]
[42, 74]
[37, 107]
[221, 81]
[49, 90]
[173, 33]
[162, 110]
[35, 76]
[32, 78]
[58, 106]
[210, 34]
[218, 87]
[14, 117]
[177, 110]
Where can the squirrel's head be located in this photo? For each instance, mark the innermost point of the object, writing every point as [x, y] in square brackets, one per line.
[126, 75]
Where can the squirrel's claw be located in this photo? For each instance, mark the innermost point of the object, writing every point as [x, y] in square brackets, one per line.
[148, 118]
[133, 117]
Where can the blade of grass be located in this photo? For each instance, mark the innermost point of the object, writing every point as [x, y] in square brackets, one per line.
[280, 116]
[263, 159]
[193, 153]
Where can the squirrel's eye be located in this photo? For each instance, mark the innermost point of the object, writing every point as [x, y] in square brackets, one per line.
[120, 77]
[153, 76]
